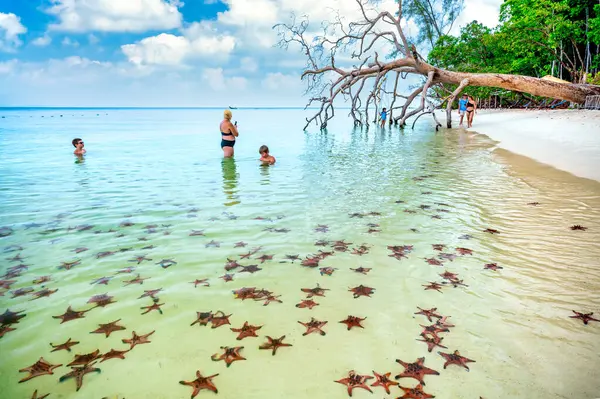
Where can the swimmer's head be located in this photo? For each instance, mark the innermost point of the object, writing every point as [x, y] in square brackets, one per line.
[263, 150]
[227, 114]
[76, 142]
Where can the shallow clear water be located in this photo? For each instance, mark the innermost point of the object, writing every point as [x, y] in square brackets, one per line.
[164, 168]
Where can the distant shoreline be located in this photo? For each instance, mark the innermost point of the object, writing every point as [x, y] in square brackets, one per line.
[137, 108]
[567, 139]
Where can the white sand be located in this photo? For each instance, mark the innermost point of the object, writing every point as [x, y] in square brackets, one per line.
[566, 139]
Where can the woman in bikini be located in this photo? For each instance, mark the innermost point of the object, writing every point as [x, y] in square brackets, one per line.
[228, 134]
[471, 107]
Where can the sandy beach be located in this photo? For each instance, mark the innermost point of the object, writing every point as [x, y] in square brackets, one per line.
[566, 139]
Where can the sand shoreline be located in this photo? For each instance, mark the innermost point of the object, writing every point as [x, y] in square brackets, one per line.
[565, 139]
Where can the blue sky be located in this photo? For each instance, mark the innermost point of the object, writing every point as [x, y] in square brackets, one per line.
[160, 52]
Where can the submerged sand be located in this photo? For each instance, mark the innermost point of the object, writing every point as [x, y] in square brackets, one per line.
[566, 139]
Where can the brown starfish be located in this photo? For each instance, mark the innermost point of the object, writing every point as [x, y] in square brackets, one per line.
[35, 395]
[269, 299]
[327, 271]
[71, 314]
[313, 326]
[42, 279]
[311, 262]
[534, 203]
[429, 313]
[81, 360]
[69, 265]
[448, 275]
[383, 380]
[292, 257]
[274, 344]
[432, 342]
[7, 283]
[78, 373]
[307, 303]
[137, 339]
[578, 227]
[231, 264]
[492, 266]
[140, 259]
[585, 317]
[433, 286]
[41, 367]
[229, 356]
[247, 330]
[127, 270]
[438, 247]
[227, 277]
[415, 370]
[355, 381]
[317, 291]
[362, 270]
[415, 393]
[491, 231]
[455, 358]
[113, 354]
[21, 292]
[464, 251]
[195, 233]
[218, 321]
[155, 306]
[150, 293]
[204, 282]
[137, 280]
[43, 293]
[264, 258]
[65, 346]
[201, 383]
[102, 280]
[203, 318]
[240, 244]
[5, 329]
[362, 290]
[250, 269]
[353, 321]
[433, 261]
[101, 300]
[104, 254]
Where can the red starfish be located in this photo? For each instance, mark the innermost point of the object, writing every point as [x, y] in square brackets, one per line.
[438, 247]
[40, 280]
[448, 275]
[154, 306]
[415, 393]
[355, 381]
[227, 277]
[274, 344]
[455, 358]
[429, 313]
[78, 373]
[269, 299]
[150, 293]
[492, 266]
[247, 330]
[353, 321]
[114, 354]
[35, 395]
[102, 280]
[491, 231]
[204, 282]
[383, 380]
[318, 291]
[201, 383]
[108, 328]
[71, 314]
[311, 262]
[313, 326]
[415, 370]
[307, 303]
[126, 270]
[69, 265]
[433, 261]
[81, 360]
[585, 317]
[45, 292]
[137, 339]
[41, 367]
[433, 286]
[66, 346]
[433, 330]
[203, 318]
[264, 258]
[230, 355]
[218, 321]
[140, 259]
[327, 271]
[464, 251]
[362, 290]
[101, 300]
[245, 293]
[5, 329]
[432, 342]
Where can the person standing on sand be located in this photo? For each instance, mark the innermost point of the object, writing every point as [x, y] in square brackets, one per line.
[462, 107]
[228, 134]
[471, 108]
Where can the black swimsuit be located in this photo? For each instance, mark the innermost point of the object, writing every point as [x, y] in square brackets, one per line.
[227, 143]
[470, 105]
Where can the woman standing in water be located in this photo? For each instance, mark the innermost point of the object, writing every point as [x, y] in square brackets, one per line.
[228, 134]
[471, 108]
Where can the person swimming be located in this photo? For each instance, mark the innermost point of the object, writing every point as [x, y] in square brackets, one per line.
[78, 144]
[265, 157]
[228, 134]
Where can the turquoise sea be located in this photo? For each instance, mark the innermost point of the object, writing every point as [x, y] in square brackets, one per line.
[143, 230]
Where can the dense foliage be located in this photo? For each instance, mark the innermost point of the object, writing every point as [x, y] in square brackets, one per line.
[535, 38]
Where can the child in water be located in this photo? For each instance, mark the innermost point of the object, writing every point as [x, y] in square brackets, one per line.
[265, 158]
[383, 117]
[78, 144]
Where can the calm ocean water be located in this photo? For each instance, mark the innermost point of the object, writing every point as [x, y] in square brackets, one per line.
[153, 198]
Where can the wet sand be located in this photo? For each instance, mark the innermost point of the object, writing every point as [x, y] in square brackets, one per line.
[566, 139]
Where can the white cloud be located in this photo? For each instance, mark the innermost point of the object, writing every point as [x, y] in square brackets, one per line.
[10, 29]
[115, 15]
[248, 64]
[67, 42]
[279, 81]
[484, 11]
[7, 67]
[42, 41]
[93, 39]
[217, 81]
[200, 40]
